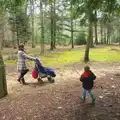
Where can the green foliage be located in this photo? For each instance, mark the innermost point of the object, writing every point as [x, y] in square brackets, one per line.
[19, 22]
[10, 4]
[82, 11]
[81, 39]
[51, 1]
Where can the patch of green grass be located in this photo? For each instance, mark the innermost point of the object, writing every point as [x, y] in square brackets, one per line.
[55, 58]
[105, 54]
[64, 58]
[10, 61]
[76, 55]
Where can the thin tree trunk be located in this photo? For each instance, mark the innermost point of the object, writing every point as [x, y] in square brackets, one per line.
[2, 36]
[118, 36]
[107, 35]
[14, 36]
[101, 32]
[54, 42]
[2, 23]
[3, 32]
[17, 37]
[72, 34]
[119, 39]
[26, 33]
[104, 35]
[61, 31]
[72, 41]
[13, 39]
[75, 28]
[108, 29]
[109, 42]
[32, 20]
[52, 29]
[14, 33]
[96, 37]
[86, 57]
[42, 27]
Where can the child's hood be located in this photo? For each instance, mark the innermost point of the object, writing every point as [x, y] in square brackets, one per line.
[86, 74]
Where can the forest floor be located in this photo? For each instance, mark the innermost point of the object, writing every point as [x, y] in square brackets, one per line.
[62, 99]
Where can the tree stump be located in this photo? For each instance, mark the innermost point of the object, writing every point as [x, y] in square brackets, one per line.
[3, 84]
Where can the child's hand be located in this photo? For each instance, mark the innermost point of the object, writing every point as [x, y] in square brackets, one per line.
[35, 59]
[94, 86]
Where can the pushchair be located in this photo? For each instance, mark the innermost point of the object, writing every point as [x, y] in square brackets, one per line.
[44, 72]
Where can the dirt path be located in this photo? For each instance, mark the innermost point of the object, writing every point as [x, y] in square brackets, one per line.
[62, 100]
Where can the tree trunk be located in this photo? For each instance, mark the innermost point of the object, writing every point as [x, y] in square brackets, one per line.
[91, 36]
[61, 31]
[108, 35]
[14, 33]
[52, 29]
[26, 32]
[96, 37]
[17, 37]
[13, 39]
[2, 36]
[118, 36]
[86, 57]
[109, 42]
[105, 36]
[72, 41]
[101, 32]
[54, 42]
[42, 27]
[2, 16]
[3, 32]
[3, 85]
[32, 20]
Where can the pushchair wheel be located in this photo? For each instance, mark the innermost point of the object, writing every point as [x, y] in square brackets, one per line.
[51, 80]
[40, 80]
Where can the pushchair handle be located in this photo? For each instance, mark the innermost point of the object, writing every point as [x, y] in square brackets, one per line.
[37, 61]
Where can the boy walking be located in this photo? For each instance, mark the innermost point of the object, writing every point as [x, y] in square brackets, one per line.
[87, 79]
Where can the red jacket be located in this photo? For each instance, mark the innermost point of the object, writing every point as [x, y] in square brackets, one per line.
[87, 79]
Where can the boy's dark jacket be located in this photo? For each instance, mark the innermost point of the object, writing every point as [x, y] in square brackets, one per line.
[87, 79]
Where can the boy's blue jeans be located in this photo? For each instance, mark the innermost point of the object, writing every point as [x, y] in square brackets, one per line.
[84, 94]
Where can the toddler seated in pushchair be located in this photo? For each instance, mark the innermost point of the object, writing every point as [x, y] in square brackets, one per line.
[44, 72]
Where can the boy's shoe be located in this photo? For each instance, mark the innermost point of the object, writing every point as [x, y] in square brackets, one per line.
[93, 101]
[83, 99]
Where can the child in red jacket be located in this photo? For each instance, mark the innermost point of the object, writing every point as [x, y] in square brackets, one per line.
[87, 79]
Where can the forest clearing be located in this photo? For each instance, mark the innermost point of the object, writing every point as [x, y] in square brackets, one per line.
[59, 60]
